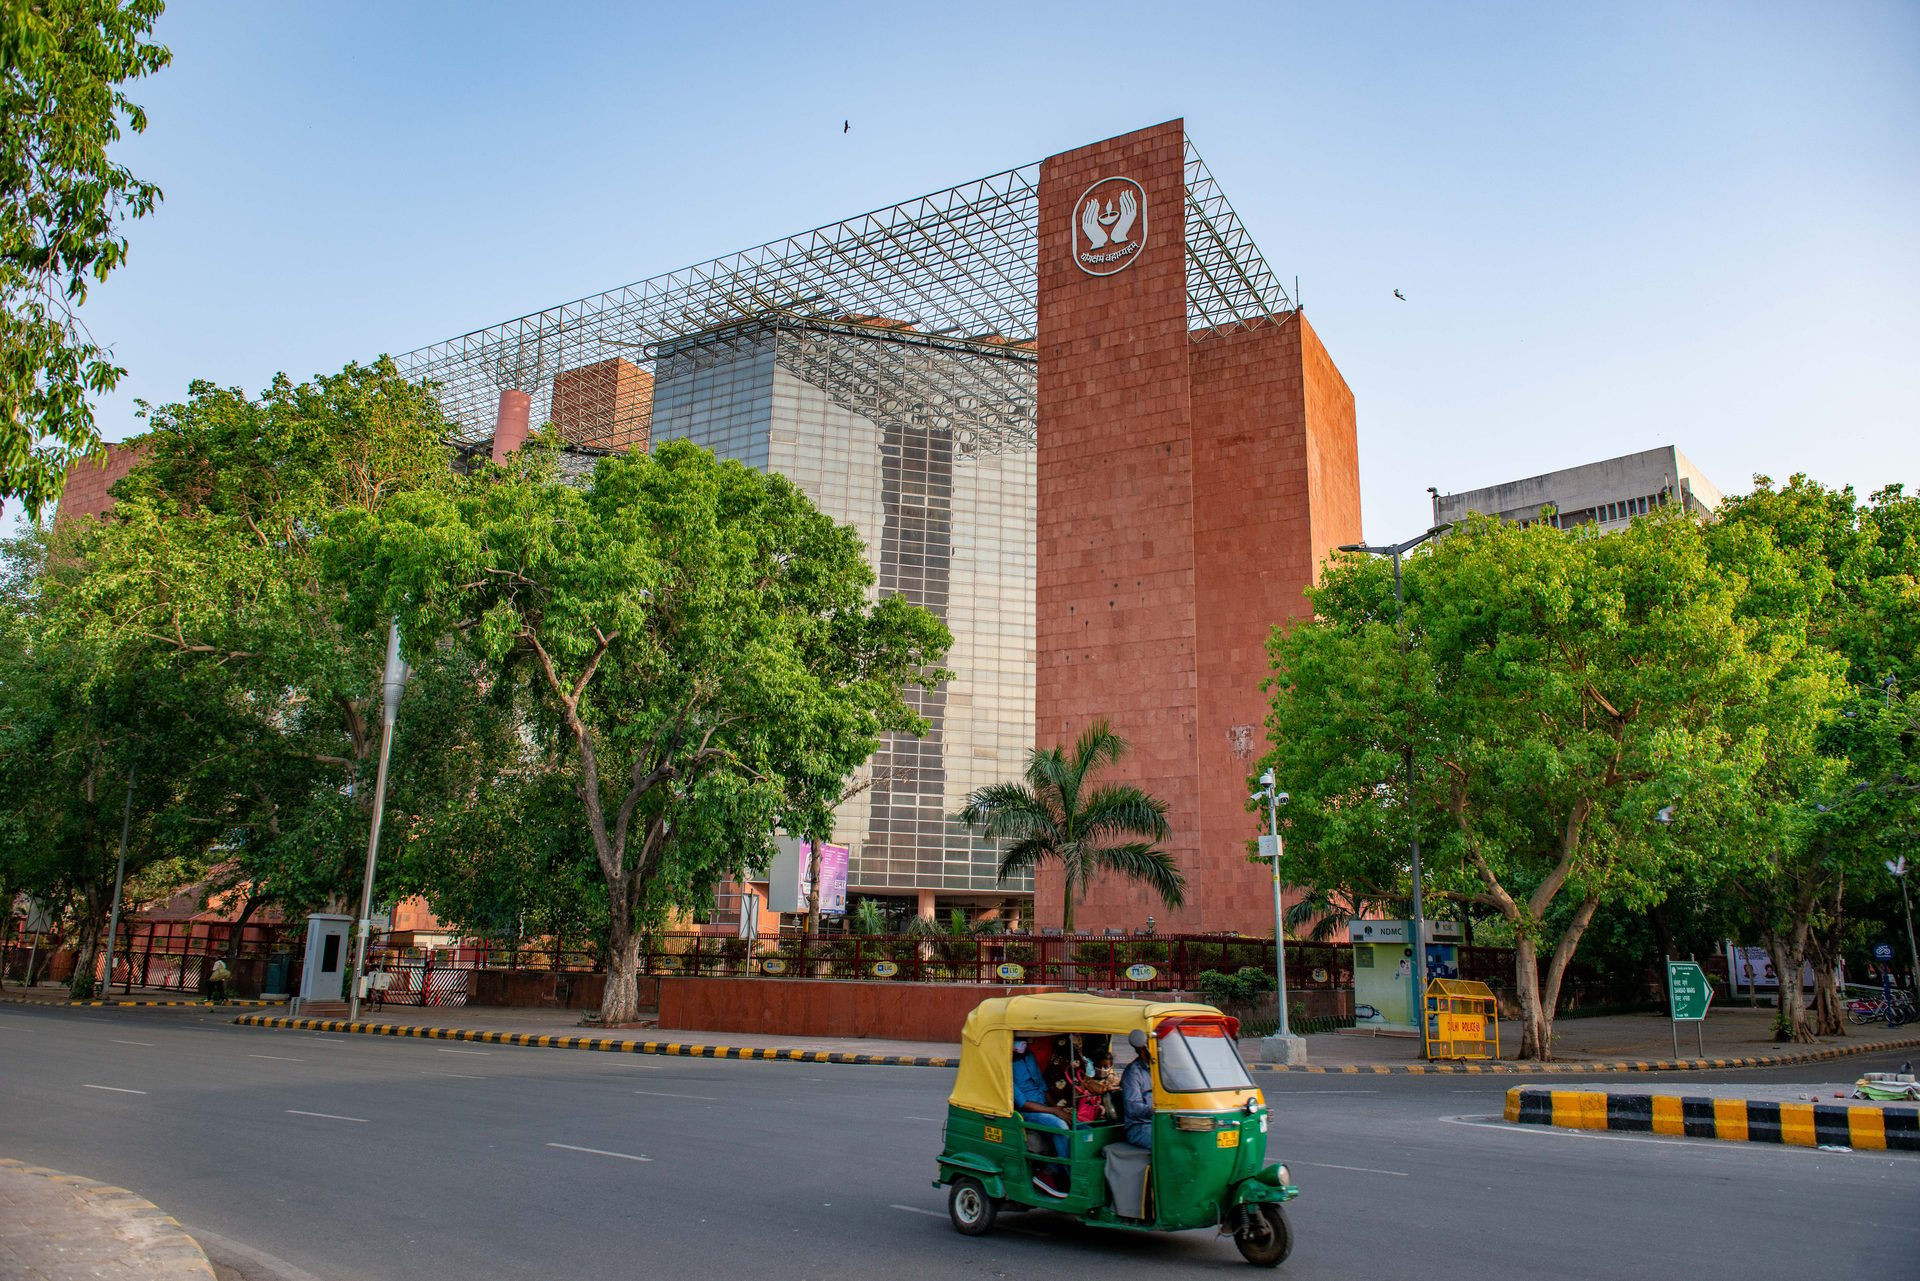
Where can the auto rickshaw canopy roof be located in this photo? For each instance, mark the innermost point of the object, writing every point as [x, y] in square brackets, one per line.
[985, 1081]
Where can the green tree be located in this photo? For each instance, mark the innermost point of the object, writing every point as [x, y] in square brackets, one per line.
[1057, 815]
[1836, 795]
[62, 204]
[77, 726]
[693, 634]
[207, 569]
[1560, 691]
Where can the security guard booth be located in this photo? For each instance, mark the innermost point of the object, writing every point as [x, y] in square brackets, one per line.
[1463, 1020]
[1386, 992]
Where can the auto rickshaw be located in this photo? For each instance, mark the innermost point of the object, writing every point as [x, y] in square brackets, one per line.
[1208, 1163]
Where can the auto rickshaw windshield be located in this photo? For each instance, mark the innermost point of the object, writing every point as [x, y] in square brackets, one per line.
[1194, 1060]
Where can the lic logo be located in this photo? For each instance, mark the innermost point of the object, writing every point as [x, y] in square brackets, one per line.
[1109, 226]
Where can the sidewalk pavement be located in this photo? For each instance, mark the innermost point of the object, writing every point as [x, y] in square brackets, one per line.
[59, 1227]
[1615, 1043]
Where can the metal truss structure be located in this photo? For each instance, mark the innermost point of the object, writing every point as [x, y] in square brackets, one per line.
[953, 273]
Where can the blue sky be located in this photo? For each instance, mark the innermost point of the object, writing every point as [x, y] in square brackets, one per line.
[1617, 226]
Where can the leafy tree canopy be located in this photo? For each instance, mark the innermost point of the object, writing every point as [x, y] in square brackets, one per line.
[1560, 690]
[693, 637]
[62, 205]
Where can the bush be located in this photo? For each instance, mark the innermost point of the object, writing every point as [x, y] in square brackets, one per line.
[1243, 987]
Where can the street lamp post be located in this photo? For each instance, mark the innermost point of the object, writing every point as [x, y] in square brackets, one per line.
[1899, 869]
[1283, 1045]
[392, 684]
[1396, 551]
[119, 878]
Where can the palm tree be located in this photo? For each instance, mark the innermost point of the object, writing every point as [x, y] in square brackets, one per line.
[1054, 816]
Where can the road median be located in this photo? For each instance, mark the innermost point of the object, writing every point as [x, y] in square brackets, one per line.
[1792, 1123]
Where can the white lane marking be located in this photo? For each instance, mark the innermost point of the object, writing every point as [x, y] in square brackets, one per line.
[1505, 1127]
[328, 1116]
[1320, 1091]
[277, 1058]
[116, 1089]
[444, 1050]
[1357, 1169]
[1708, 1147]
[624, 1156]
[148, 1044]
[661, 1094]
[914, 1209]
[464, 1076]
[923, 1118]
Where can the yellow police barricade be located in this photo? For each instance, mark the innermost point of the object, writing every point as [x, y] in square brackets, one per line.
[1463, 1020]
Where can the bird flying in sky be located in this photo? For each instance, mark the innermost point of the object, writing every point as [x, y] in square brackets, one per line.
[1397, 294]
[845, 125]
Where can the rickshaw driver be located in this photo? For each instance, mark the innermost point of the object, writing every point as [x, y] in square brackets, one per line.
[1136, 1093]
[1030, 1100]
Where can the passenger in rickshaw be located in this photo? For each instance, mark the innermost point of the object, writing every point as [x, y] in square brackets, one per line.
[1136, 1093]
[1030, 1100]
[1094, 1083]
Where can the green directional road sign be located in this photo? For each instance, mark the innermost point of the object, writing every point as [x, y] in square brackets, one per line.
[1689, 990]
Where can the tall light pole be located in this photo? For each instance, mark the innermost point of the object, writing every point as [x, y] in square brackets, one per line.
[1283, 1046]
[1899, 869]
[119, 878]
[1274, 848]
[1396, 551]
[392, 685]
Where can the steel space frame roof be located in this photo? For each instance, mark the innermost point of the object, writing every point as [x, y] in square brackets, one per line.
[954, 268]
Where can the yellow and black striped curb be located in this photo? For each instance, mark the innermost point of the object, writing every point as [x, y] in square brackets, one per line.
[1591, 1069]
[615, 1045]
[1803, 1125]
[131, 1001]
[164, 1250]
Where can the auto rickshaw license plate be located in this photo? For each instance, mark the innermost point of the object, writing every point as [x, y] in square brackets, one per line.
[1227, 1138]
[993, 1134]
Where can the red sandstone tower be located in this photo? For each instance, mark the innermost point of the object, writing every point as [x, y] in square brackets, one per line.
[1189, 482]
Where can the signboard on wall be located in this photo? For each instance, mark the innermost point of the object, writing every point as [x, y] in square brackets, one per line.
[1753, 970]
[789, 879]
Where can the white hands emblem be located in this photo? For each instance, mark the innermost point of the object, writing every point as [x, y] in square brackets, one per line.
[1112, 216]
[1123, 220]
[1090, 223]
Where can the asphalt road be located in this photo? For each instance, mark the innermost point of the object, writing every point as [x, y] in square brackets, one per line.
[297, 1154]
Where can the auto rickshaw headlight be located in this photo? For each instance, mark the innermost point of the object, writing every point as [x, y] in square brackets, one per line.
[1276, 1176]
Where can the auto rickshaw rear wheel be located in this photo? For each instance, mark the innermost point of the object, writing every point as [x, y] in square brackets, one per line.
[1263, 1236]
[970, 1208]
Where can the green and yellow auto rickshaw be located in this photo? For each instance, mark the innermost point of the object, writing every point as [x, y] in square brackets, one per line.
[1207, 1166]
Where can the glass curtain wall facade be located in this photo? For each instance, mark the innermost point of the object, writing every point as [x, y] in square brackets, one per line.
[926, 446]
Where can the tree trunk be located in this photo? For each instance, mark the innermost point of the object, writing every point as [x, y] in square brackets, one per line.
[86, 955]
[1789, 955]
[621, 1003]
[1536, 1023]
[239, 930]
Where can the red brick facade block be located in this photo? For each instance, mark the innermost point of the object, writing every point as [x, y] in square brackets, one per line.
[1114, 591]
[90, 479]
[1188, 486]
[608, 405]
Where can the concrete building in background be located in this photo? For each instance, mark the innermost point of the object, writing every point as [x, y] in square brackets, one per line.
[1608, 494]
[1071, 411]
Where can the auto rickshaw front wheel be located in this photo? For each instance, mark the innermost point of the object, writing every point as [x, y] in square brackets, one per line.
[1263, 1236]
[970, 1208]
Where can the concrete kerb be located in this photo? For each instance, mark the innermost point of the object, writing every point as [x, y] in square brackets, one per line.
[1593, 1068]
[1867, 1127]
[141, 1002]
[613, 1045]
[150, 1242]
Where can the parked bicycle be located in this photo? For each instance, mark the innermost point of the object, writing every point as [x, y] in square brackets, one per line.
[1897, 1013]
